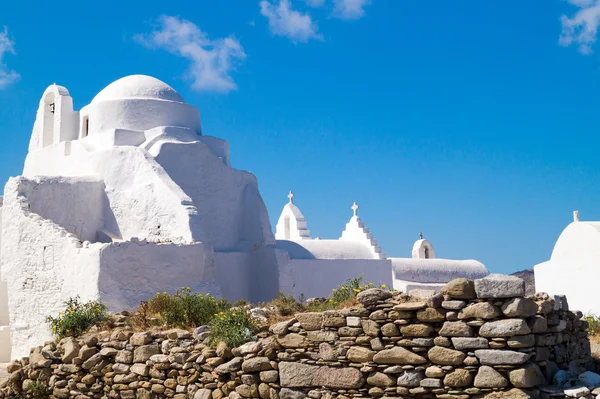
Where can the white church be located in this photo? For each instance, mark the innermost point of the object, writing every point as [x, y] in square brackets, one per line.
[574, 266]
[127, 197]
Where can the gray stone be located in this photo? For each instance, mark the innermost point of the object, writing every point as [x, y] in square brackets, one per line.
[231, 366]
[519, 307]
[287, 393]
[460, 288]
[431, 383]
[390, 330]
[410, 378]
[499, 286]
[370, 327]
[143, 353]
[398, 355]
[445, 356]
[521, 341]
[255, 364]
[488, 377]
[282, 327]
[528, 376]
[495, 357]
[299, 375]
[456, 329]
[373, 296]
[454, 304]
[462, 343]
[538, 324]
[504, 328]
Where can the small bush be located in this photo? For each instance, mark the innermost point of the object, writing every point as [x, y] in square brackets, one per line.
[38, 390]
[593, 324]
[287, 305]
[343, 296]
[185, 309]
[232, 326]
[77, 318]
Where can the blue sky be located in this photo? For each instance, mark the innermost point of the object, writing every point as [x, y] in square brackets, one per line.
[474, 122]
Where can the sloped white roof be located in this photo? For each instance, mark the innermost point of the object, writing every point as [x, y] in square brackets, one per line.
[326, 249]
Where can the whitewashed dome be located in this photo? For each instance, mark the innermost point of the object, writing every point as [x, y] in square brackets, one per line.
[140, 87]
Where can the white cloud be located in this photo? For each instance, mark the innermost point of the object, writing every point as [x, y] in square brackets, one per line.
[212, 61]
[6, 46]
[581, 28]
[284, 21]
[350, 9]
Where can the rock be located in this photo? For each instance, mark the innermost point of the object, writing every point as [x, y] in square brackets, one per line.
[398, 355]
[249, 348]
[445, 356]
[203, 394]
[521, 341]
[590, 379]
[458, 378]
[310, 321]
[256, 364]
[417, 330]
[71, 348]
[504, 328]
[431, 315]
[453, 304]
[380, 380]
[460, 288]
[410, 378]
[390, 330]
[333, 318]
[488, 377]
[327, 352]
[223, 350]
[370, 327]
[462, 343]
[269, 376]
[92, 361]
[139, 369]
[231, 366]
[514, 393]
[456, 329]
[360, 354]
[293, 341]
[282, 327]
[299, 375]
[519, 307]
[353, 321]
[494, 357]
[499, 286]
[373, 296]
[143, 353]
[577, 392]
[124, 356]
[322, 336]
[528, 376]
[431, 383]
[482, 310]
[406, 306]
[141, 338]
[538, 324]
[287, 393]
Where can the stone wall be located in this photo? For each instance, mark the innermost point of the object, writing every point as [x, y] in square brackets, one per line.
[477, 339]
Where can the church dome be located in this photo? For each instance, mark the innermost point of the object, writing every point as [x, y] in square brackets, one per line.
[138, 86]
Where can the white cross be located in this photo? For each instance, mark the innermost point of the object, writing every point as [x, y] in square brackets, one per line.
[355, 209]
[291, 197]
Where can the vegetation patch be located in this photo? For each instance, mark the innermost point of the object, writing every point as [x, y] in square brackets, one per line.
[232, 326]
[77, 318]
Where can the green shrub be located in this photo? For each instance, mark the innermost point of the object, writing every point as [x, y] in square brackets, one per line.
[38, 390]
[185, 309]
[232, 326]
[593, 324]
[287, 305]
[345, 295]
[77, 318]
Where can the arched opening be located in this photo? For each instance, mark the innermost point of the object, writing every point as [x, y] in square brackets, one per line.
[286, 227]
[426, 252]
[85, 126]
[48, 125]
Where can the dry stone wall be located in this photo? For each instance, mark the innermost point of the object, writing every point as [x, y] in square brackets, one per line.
[477, 339]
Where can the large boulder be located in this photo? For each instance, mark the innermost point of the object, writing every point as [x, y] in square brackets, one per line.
[499, 286]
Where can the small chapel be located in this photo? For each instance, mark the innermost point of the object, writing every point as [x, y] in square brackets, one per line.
[128, 196]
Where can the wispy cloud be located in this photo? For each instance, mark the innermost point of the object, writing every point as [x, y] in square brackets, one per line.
[7, 76]
[350, 9]
[284, 21]
[582, 27]
[315, 3]
[212, 61]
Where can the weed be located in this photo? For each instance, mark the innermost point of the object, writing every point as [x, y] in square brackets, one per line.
[77, 318]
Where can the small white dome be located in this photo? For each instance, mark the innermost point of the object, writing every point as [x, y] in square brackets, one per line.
[138, 86]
